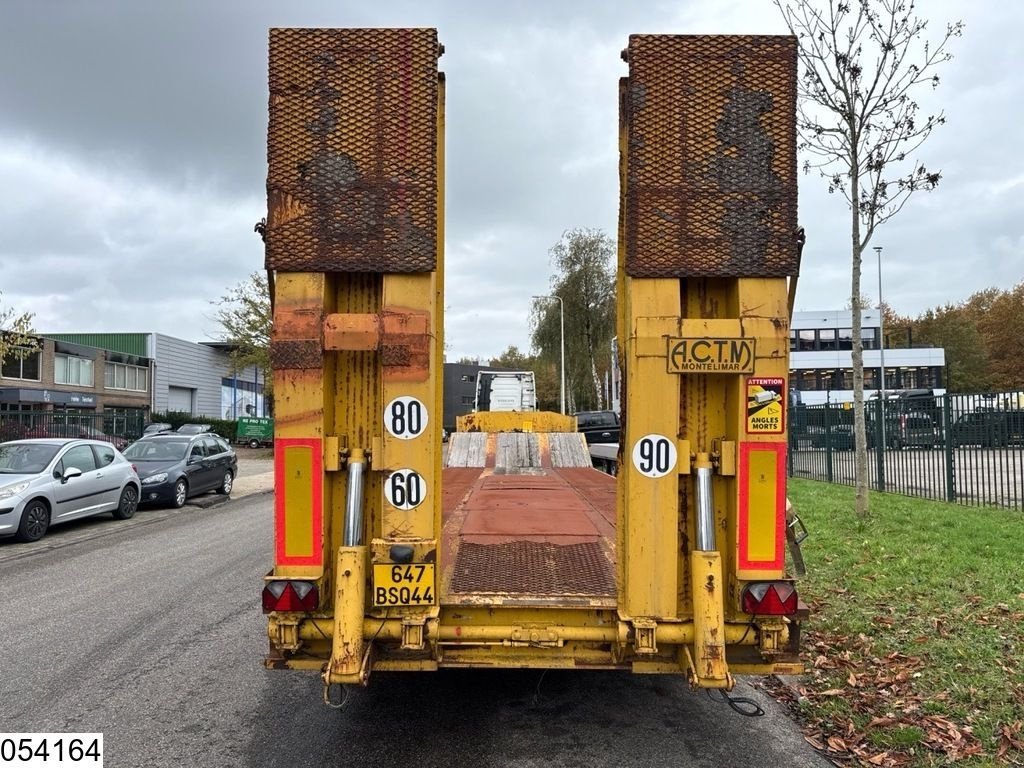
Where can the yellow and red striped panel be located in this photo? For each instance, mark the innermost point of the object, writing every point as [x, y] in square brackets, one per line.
[298, 502]
[762, 510]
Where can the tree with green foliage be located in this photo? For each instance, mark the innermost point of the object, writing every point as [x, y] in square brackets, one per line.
[983, 339]
[999, 318]
[863, 62]
[514, 360]
[245, 315]
[584, 280]
[951, 328]
[17, 337]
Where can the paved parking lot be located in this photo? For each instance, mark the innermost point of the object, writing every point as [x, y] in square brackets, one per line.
[979, 476]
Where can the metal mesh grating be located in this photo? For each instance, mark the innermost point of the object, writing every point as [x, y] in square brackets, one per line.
[533, 568]
[711, 180]
[352, 150]
[288, 354]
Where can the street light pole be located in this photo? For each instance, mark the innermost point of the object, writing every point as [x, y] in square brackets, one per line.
[561, 315]
[881, 346]
[881, 323]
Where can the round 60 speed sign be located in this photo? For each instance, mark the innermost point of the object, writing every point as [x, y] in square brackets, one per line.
[405, 489]
[405, 417]
[654, 455]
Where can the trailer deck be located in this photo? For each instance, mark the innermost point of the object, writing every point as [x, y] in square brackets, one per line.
[526, 522]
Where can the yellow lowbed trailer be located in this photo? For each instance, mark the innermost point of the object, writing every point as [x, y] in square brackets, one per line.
[517, 553]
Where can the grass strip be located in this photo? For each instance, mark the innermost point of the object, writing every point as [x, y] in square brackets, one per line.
[915, 648]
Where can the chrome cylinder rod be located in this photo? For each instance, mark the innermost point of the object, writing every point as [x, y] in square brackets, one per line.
[354, 499]
[705, 505]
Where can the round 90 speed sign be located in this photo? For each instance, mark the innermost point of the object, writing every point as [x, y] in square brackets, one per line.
[654, 455]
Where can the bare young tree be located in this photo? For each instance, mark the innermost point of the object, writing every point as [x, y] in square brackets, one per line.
[862, 63]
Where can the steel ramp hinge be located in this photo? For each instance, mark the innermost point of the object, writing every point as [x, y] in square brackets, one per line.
[413, 634]
[335, 452]
[799, 529]
[796, 532]
[771, 637]
[645, 636]
[286, 635]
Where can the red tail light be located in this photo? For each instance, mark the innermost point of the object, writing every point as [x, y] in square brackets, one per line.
[290, 596]
[770, 598]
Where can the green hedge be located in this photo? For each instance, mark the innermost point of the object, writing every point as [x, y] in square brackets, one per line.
[226, 428]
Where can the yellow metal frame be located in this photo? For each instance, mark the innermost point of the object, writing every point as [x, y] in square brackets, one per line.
[515, 421]
[380, 337]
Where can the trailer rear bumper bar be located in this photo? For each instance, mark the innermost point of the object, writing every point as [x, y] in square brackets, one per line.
[394, 641]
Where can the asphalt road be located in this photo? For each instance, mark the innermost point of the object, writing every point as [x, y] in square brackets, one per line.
[152, 634]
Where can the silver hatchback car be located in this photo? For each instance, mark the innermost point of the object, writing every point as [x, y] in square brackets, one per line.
[49, 481]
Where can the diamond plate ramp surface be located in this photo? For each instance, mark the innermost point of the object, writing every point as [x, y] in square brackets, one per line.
[534, 568]
[711, 182]
[352, 183]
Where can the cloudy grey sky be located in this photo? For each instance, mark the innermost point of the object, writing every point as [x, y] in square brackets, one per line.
[133, 155]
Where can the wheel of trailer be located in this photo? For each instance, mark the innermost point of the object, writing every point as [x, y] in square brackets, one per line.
[35, 520]
[180, 493]
[128, 504]
[225, 484]
[254, 443]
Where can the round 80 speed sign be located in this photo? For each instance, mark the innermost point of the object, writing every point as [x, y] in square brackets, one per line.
[405, 417]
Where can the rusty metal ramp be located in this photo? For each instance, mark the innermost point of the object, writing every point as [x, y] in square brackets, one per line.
[466, 449]
[524, 531]
[517, 451]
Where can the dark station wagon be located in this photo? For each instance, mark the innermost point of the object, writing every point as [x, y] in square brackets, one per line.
[174, 467]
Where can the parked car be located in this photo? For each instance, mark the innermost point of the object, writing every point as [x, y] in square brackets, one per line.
[47, 481]
[193, 429]
[905, 430]
[87, 431]
[989, 429]
[156, 428]
[598, 426]
[175, 467]
[839, 437]
[83, 431]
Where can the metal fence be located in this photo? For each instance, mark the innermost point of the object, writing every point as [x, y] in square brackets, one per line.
[967, 449]
[112, 426]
